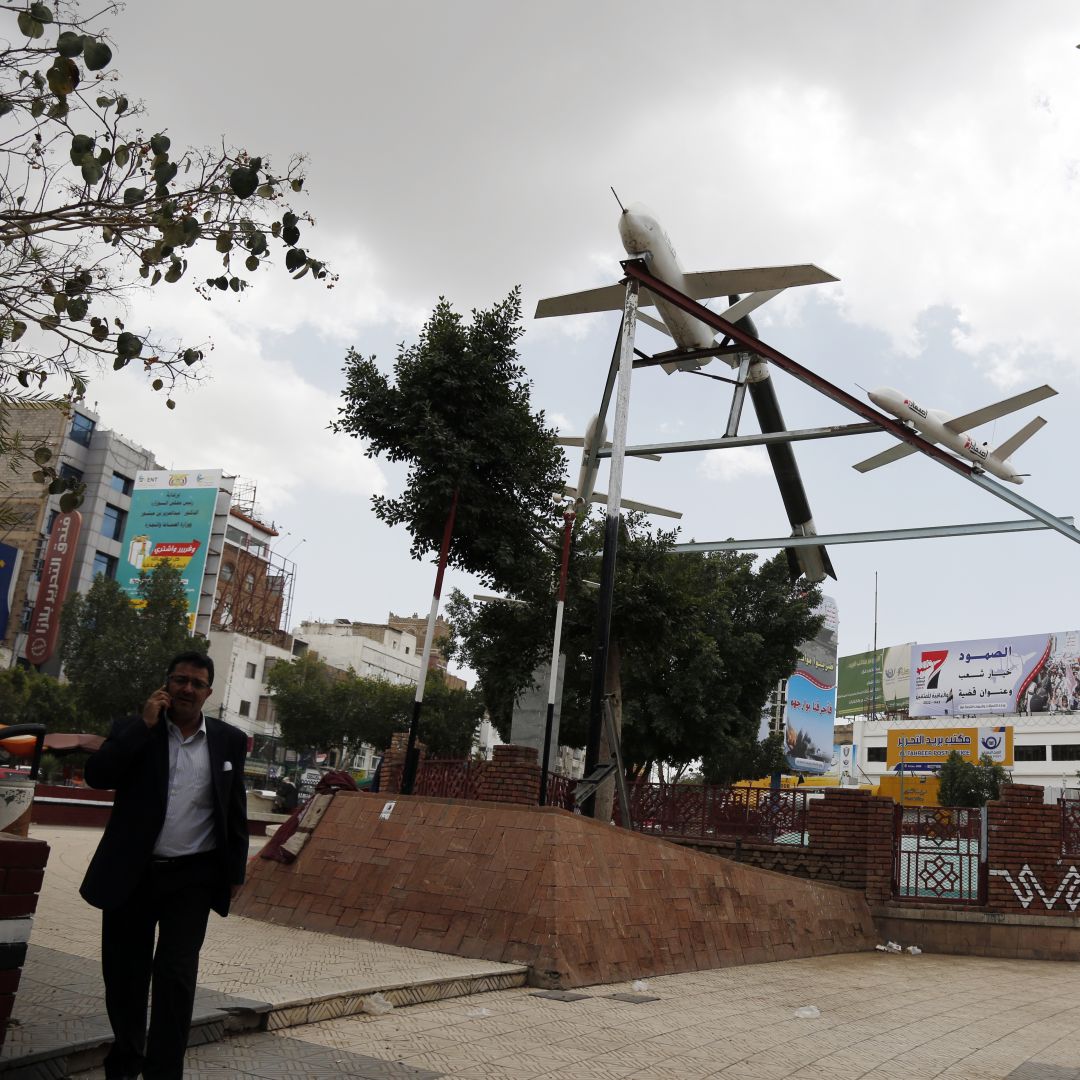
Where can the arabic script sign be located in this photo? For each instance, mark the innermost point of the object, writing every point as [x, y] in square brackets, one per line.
[915, 748]
[169, 524]
[811, 699]
[55, 574]
[994, 676]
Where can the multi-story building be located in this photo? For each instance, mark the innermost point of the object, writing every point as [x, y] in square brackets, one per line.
[373, 650]
[101, 459]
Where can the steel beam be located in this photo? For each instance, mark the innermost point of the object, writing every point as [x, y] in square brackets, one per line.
[873, 536]
[761, 439]
[1026, 506]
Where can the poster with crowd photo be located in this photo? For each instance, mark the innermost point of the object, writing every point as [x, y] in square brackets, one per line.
[811, 699]
[1030, 673]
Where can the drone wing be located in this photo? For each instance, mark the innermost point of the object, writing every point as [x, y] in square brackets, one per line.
[999, 409]
[709, 283]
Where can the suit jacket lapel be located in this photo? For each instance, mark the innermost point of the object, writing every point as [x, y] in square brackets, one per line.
[215, 742]
[161, 760]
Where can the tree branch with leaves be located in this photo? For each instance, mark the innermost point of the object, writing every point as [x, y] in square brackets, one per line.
[94, 207]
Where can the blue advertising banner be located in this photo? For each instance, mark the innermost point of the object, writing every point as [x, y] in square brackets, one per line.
[169, 524]
[811, 699]
[9, 569]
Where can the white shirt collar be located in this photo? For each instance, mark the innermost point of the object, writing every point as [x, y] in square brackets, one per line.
[174, 730]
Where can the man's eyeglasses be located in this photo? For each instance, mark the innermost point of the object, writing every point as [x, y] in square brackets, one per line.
[187, 680]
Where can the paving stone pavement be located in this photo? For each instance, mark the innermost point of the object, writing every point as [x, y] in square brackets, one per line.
[286, 975]
[883, 1016]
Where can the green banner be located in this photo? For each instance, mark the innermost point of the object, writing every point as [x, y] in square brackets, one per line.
[856, 694]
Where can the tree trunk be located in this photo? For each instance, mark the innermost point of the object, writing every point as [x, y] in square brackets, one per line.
[605, 794]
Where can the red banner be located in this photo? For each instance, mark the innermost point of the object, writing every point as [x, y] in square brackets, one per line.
[52, 588]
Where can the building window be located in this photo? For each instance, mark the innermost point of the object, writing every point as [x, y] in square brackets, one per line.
[53, 515]
[249, 582]
[245, 708]
[27, 615]
[69, 472]
[1064, 752]
[121, 483]
[113, 524]
[105, 564]
[406, 650]
[82, 429]
[235, 535]
[1029, 753]
[226, 571]
[877, 753]
[249, 670]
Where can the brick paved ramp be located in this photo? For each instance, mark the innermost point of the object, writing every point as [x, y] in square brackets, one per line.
[250, 974]
[883, 1017]
[578, 901]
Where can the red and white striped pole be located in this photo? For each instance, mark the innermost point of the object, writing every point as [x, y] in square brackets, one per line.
[568, 530]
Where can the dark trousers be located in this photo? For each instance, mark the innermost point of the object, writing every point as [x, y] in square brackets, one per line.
[173, 898]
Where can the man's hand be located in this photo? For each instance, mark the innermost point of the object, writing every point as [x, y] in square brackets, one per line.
[155, 707]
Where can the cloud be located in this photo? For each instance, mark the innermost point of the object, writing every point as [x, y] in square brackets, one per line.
[252, 413]
[738, 463]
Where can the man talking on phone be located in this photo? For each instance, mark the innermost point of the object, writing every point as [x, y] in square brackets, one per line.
[175, 847]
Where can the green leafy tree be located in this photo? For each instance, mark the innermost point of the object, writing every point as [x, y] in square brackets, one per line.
[451, 718]
[698, 641]
[303, 692]
[116, 654]
[458, 414]
[92, 205]
[374, 709]
[964, 783]
[28, 697]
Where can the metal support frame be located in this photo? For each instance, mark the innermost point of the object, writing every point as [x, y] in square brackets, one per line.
[874, 536]
[622, 364]
[830, 431]
[625, 352]
[636, 271]
[738, 397]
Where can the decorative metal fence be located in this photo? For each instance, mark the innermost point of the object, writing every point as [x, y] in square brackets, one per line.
[1070, 826]
[560, 791]
[937, 854]
[713, 813]
[447, 779]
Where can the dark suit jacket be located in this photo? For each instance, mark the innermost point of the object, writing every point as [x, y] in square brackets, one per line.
[134, 760]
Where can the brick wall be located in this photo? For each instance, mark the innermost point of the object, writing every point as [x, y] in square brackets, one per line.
[578, 901]
[1027, 872]
[22, 869]
[393, 762]
[512, 776]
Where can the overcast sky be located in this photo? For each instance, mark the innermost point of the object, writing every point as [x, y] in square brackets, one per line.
[927, 154]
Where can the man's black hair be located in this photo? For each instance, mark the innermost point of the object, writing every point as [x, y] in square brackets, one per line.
[196, 659]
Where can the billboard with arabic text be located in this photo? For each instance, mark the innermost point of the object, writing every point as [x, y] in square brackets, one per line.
[169, 524]
[1021, 673]
[874, 682]
[918, 748]
[811, 699]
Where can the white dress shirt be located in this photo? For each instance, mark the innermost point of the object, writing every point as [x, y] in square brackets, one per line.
[189, 810]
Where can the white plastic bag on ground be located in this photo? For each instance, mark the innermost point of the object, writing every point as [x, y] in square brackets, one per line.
[807, 1012]
[893, 947]
[477, 1014]
[376, 1005]
[640, 986]
[915, 950]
